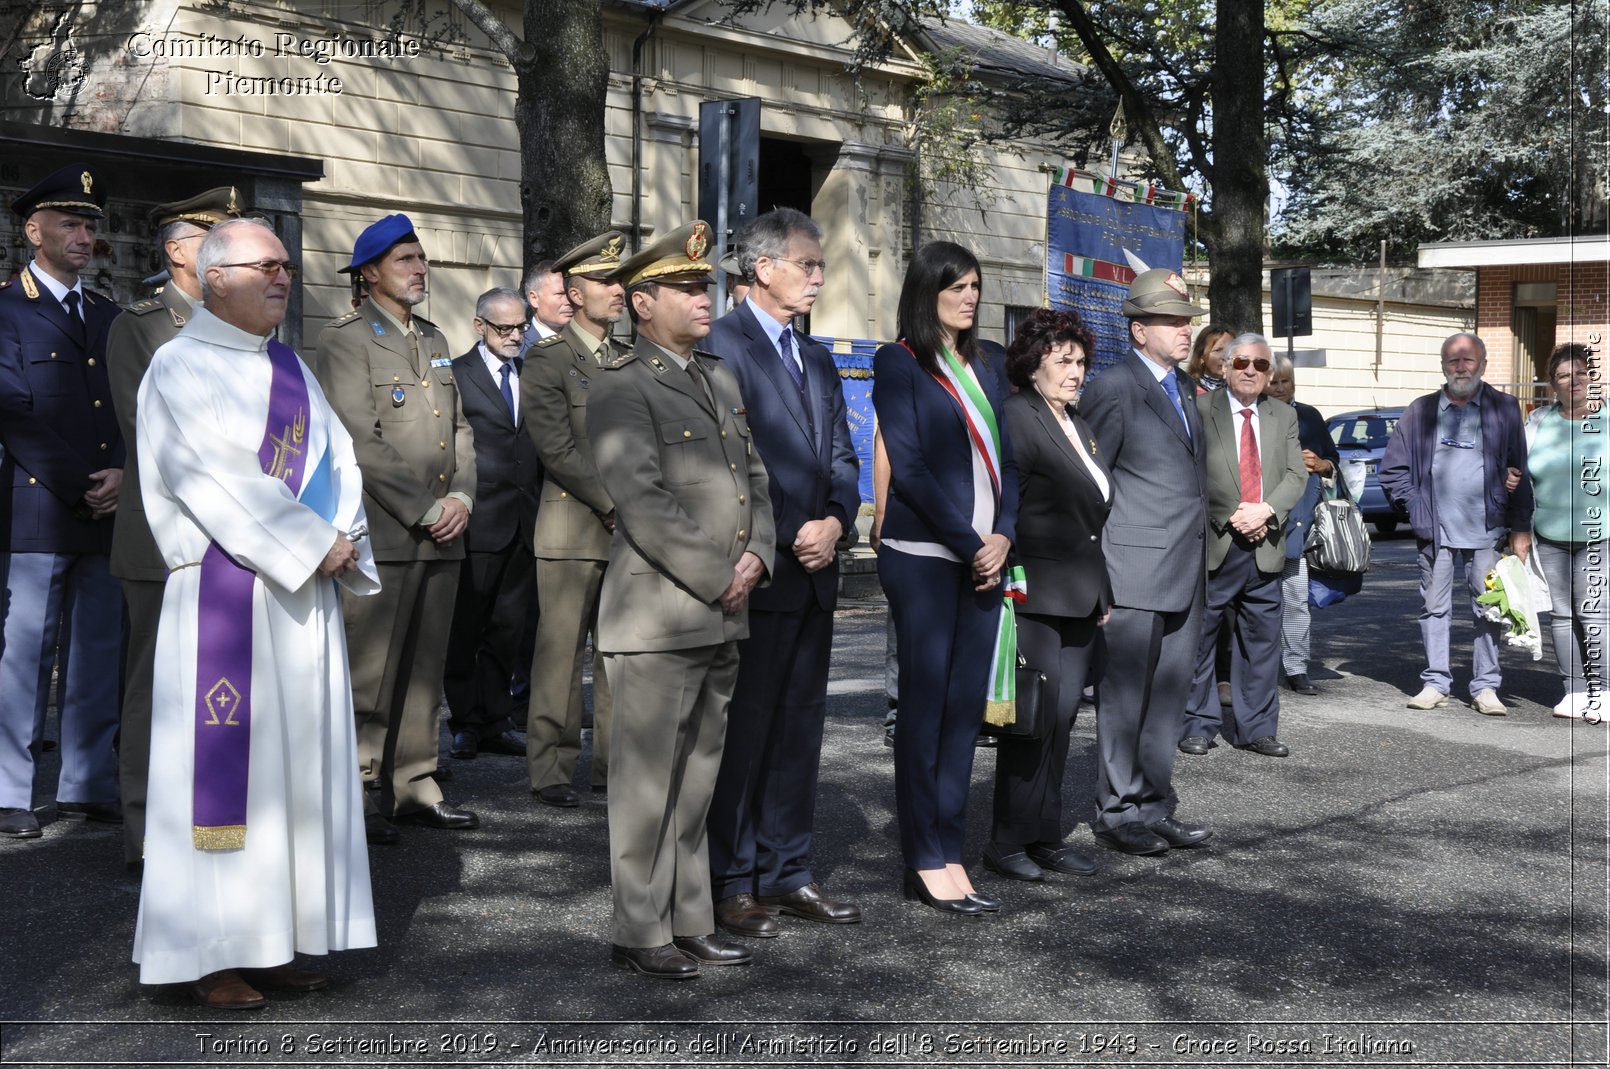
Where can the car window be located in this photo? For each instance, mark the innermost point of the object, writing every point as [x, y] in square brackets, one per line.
[1362, 432]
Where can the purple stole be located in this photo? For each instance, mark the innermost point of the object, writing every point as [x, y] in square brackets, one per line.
[223, 713]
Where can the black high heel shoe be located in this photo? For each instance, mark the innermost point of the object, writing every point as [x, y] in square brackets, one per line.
[987, 903]
[917, 891]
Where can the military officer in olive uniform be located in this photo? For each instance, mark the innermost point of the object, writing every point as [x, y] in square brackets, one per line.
[693, 537]
[389, 375]
[134, 339]
[59, 481]
[574, 521]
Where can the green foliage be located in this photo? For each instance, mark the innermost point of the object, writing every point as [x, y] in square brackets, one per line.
[1455, 121]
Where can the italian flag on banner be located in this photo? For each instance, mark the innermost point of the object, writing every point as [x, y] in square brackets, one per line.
[1134, 192]
[1001, 706]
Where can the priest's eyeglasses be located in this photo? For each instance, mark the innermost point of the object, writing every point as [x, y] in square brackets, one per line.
[271, 268]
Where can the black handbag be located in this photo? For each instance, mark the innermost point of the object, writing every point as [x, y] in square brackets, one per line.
[1032, 717]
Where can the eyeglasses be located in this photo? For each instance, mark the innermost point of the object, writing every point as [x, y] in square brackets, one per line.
[271, 268]
[499, 329]
[810, 267]
[1241, 363]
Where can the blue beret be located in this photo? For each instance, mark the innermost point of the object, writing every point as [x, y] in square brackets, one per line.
[378, 239]
[71, 189]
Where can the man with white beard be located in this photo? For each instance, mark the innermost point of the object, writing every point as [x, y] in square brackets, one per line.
[254, 843]
[1448, 464]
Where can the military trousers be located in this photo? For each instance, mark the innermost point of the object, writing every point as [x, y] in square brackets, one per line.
[670, 723]
[567, 591]
[397, 644]
[144, 601]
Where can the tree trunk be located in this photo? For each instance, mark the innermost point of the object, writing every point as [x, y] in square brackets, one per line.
[1239, 176]
[562, 77]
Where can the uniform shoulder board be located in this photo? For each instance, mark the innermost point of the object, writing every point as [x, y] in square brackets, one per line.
[350, 317]
[543, 343]
[7, 284]
[150, 304]
[620, 361]
[91, 296]
[706, 354]
[423, 325]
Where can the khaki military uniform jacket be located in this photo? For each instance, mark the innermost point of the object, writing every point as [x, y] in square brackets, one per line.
[135, 337]
[408, 428]
[558, 378]
[690, 496]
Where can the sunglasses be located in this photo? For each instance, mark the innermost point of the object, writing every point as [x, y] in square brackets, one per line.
[1241, 363]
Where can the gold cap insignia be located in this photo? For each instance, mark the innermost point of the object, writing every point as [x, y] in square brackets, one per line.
[89, 183]
[698, 242]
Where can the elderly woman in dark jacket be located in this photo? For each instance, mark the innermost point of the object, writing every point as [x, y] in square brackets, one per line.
[1063, 498]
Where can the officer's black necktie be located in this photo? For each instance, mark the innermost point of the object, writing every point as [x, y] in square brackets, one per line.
[74, 319]
[503, 387]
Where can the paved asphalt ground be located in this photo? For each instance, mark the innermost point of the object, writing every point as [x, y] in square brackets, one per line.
[1407, 887]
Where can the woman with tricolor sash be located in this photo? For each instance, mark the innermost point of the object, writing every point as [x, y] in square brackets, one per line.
[947, 528]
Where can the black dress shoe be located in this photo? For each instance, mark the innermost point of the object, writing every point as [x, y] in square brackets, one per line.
[917, 891]
[713, 950]
[1269, 746]
[562, 795]
[1178, 834]
[506, 743]
[663, 962]
[103, 812]
[1196, 745]
[1059, 858]
[380, 831]
[987, 903]
[742, 915]
[443, 816]
[1014, 866]
[1302, 685]
[1133, 838]
[810, 903]
[19, 824]
[465, 746]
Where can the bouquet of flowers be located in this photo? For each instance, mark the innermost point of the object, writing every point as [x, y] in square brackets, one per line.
[1509, 602]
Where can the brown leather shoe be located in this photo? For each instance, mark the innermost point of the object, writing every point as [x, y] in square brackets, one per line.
[809, 902]
[225, 990]
[661, 962]
[742, 915]
[286, 978]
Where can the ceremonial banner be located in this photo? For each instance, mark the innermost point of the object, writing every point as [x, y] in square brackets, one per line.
[1090, 221]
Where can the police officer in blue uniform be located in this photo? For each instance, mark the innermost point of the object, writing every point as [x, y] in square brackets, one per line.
[59, 483]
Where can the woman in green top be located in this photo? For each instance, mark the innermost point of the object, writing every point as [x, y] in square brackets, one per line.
[1566, 459]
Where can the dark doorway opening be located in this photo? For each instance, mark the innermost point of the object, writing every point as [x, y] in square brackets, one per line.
[787, 175]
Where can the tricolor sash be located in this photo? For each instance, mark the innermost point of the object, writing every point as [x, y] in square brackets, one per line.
[1000, 707]
[223, 712]
[977, 413]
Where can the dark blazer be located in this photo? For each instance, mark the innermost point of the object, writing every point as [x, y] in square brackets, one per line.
[57, 422]
[1280, 459]
[930, 453]
[508, 475]
[1155, 539]
[1060, 513]
[810, 461]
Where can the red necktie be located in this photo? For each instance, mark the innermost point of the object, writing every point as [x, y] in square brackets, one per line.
[1251, 464]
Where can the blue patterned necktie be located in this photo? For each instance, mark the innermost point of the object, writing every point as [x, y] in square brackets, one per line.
[1172, 388]
[508, 392]
[785, 342]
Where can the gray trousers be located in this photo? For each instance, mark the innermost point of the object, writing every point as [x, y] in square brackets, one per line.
[1296, 618]
[1579, 616]
[144, 599]
[1150, 659]
[1437, 574]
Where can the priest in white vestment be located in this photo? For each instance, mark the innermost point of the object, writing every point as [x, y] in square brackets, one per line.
[255, 842]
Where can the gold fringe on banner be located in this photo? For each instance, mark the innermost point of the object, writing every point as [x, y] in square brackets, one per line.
[1000, 713]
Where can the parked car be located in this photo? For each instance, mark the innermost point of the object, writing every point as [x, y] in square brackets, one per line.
[1361, 439]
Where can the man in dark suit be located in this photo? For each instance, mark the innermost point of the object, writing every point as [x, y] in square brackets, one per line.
[1255, 474]
[1155, 545]
[765, 800]
[134, 338]
[495, 585]
[574, 523]
[694, 537]
[61, 474]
